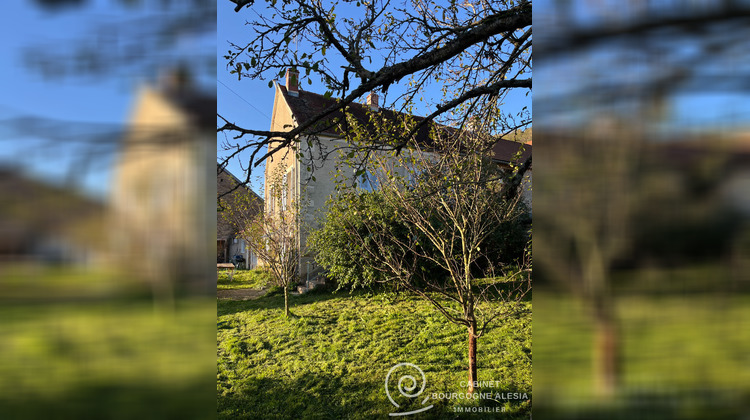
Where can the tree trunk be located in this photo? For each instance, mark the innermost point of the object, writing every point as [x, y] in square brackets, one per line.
[286, 301]
[606, 351]
[472, 356]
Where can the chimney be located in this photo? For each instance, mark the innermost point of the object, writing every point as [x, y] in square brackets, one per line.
[292, 82]
[372, 101]
[175, 80]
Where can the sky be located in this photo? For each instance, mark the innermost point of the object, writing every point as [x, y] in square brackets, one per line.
[247, 103]
[103, 103]
[72, 107]
[701, 107]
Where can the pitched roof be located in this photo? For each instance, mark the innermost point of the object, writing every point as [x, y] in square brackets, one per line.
[308, 104]
[198, 106]
[506, 150]
[223, 175]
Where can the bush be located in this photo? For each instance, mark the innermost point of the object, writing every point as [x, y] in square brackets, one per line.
[351, 265]
[347, 262]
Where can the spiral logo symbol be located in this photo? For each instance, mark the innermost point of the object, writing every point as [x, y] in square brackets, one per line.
[407, 387]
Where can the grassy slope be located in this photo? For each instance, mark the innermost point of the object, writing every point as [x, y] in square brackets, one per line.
[243, 279]
[331, 359]
[684, 356]
[77, 345]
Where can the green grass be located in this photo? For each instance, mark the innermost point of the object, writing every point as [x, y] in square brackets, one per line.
[243, 279]
[683, 356]
[65, 355]
[331, 358]
[38, 282]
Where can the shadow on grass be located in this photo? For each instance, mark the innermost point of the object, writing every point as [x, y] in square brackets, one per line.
[695, 404]
[310, 395]
[118, 401]
[325, 396]
[275, 300]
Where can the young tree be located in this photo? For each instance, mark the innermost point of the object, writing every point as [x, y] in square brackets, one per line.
[475, 52]
[632, 63]
[443, 214]
[585, 221]
[273, 236]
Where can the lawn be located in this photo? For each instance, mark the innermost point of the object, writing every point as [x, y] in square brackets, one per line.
[330, 360]
[684, 356]
[74, 347]
[243, 279]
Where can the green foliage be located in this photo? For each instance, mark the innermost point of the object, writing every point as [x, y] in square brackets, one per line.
[345, 261]
[349, 262]
[508, 242]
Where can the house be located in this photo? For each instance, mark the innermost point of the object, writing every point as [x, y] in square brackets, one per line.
[228, 243]
[293, 106]
[162, 221]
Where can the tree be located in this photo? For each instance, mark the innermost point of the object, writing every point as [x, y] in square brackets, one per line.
[585, 222]
[476, 52]
[632, 64]
[273, 236]
[433, 234]
[349, 262]
[125, 38]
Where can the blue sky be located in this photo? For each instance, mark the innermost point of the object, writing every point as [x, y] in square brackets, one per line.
[698, 108]
[98, 104]
[248, 103]
[101, 102]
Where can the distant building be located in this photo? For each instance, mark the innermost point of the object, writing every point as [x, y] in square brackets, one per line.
[41, 223]
[229, 243]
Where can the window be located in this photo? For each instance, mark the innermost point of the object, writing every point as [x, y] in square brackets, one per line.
[367, 182]
[285, 188]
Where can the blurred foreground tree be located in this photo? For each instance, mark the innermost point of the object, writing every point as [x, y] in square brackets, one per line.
[593, 193]
[638, 64]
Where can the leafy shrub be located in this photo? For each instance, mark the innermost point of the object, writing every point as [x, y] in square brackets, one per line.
[350, 263]
[347, 262]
